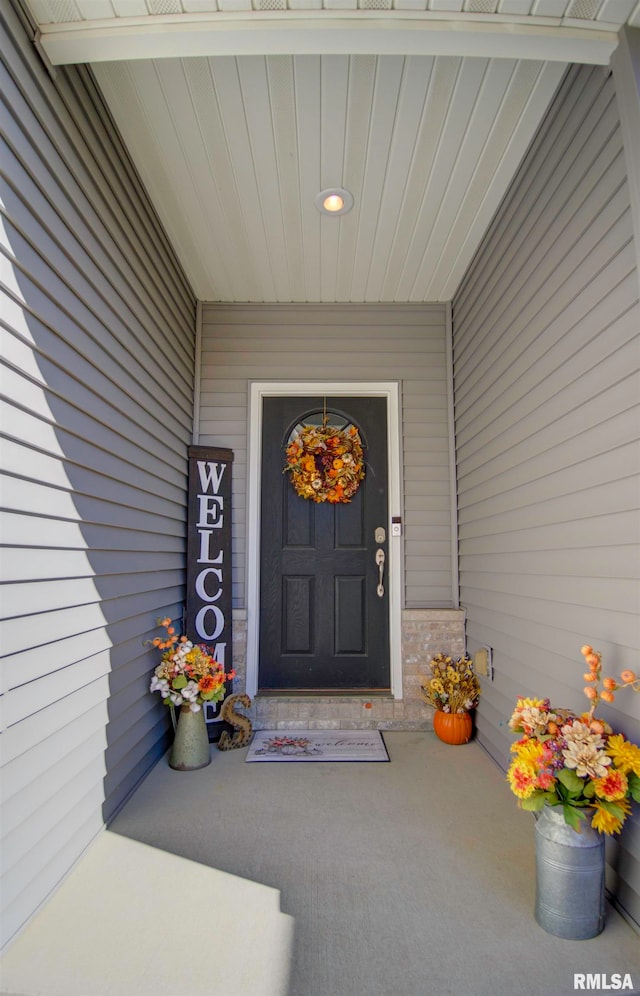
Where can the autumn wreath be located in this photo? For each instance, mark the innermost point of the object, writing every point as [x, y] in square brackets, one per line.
[325, 463]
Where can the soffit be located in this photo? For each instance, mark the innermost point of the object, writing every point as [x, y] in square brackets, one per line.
[234, 147]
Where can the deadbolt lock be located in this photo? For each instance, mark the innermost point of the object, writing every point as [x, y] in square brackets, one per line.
[380, 535]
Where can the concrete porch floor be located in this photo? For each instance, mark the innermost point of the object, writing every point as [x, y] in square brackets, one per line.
[414, 878]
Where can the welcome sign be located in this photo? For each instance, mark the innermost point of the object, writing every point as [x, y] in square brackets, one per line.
[208, 612]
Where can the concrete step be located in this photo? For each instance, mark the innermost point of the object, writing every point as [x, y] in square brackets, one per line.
[132, 920]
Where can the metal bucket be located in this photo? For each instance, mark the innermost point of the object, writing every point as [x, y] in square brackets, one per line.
[570, 899]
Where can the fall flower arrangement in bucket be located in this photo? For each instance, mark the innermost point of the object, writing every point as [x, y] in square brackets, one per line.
[187, 677]
[187, 674]
[575, 761]
[579, 777]
[453, 689]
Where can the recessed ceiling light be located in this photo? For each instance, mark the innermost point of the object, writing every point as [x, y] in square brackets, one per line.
[334, 200]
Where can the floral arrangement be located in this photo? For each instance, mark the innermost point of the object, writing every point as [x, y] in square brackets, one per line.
[576, 761]
[453, 685]
[187, 674]
[326, 463]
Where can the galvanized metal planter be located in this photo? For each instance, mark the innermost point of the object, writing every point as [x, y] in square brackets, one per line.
[570, 898]
[191, 745]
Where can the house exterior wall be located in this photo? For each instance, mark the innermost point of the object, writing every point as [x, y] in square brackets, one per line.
[352, 343]
[546, 353]
[97, 374]
[244, 343]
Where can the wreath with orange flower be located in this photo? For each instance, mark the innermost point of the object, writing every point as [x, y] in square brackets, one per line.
[326, 463]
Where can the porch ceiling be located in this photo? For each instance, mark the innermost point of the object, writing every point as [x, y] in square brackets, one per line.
[237, 114]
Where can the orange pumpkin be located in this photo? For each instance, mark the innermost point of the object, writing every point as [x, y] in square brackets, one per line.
[452, 727]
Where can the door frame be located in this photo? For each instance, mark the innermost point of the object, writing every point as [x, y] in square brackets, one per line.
[385, 389]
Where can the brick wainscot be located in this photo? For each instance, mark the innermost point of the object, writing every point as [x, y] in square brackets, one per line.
[425, 633]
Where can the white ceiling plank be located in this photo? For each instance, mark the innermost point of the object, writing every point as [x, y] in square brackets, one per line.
[198, 183]
[616, 11]
[93, 10]
[460, 189]
[130, 8]
[496, 118]
[518, 7]
[257, 108]
[283, 112]
[362, 75]
[404, 148]
[334, 86]
[231, 98]
[541, 94]
[307, 89]
[383, 116]
[342, 32]
[550, 8]
[430, 135]
[130, 91]
[228, 220]
[457, 120]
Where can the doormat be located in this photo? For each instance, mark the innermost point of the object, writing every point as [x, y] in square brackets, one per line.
[317, 745]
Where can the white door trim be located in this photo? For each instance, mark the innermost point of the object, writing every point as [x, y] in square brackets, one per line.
[261, 389]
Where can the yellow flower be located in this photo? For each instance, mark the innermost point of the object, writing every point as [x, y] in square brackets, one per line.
[529, 752]
[607, 822]
[522, 779]
[626, 756]
[529, 703]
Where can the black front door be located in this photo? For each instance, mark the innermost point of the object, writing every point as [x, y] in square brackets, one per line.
[324, 602]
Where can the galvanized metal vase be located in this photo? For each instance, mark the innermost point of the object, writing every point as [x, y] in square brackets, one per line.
[191, 744]
[570, 899]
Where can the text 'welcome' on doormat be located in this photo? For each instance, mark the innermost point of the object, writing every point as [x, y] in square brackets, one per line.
[317, 745]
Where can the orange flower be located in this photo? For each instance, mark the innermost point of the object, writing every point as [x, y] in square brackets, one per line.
[628, 676]
[590, 677]
[607, 696]
[613, 786]
[590, 692]
[338, 464]
[207, 683]
[610, 683]
[586, 650]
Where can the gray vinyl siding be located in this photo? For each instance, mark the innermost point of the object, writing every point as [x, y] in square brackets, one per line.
[406, 343]
[97, 329]
[546, 329]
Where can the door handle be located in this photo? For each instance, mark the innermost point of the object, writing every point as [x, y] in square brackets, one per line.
[380, 562]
